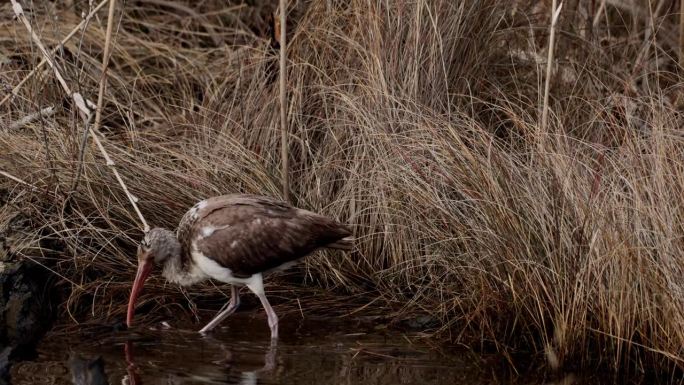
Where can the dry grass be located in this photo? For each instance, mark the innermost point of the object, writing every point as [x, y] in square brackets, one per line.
[417, 122]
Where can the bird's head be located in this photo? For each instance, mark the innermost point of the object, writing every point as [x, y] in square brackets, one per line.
[156, 247]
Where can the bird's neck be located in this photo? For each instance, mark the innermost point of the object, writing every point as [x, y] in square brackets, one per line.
[184, 274]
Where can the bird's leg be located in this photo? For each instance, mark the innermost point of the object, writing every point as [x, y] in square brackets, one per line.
[257, 287]
[269, 359]
[232, 306]
[272, 317]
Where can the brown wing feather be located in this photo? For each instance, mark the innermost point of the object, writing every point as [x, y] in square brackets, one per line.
[253, 234]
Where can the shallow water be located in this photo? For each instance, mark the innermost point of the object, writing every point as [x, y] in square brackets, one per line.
[240, 352]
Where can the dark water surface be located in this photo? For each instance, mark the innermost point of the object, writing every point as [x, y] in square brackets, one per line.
[240, 352]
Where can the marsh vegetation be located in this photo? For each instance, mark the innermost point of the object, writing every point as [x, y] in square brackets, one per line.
[419, 123]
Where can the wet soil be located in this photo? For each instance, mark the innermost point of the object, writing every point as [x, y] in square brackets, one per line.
[310, 351]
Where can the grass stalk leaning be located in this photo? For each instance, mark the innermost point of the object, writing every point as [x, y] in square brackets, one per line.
[555, 13]
[284, 147]
[681, 34]
[16, 179]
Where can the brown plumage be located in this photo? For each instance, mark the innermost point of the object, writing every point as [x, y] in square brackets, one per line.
[255, 234]
[236, 239]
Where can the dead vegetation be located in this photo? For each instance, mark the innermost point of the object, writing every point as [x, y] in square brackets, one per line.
[418, 122]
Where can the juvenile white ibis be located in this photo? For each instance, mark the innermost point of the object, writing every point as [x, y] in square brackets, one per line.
[236, 239]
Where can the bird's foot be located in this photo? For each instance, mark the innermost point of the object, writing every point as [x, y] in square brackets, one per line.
[210, 326]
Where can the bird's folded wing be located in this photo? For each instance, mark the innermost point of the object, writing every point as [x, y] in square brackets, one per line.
[251, 234]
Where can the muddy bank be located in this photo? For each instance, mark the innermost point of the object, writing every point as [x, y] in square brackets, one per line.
[26, 300]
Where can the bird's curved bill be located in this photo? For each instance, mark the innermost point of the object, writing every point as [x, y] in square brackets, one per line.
[144, 269]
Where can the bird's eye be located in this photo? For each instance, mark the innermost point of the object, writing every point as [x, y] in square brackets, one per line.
[144, 243]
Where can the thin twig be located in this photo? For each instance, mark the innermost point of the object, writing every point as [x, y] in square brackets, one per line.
[112, 165]
[84, 106]
[45, 112]
[15, 90]
[284, 151]
[599, 12]
[105, 65]
[18, 180]
[555, 12]
[681, 33]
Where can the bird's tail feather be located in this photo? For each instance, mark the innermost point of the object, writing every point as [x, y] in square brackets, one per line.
[346, 243]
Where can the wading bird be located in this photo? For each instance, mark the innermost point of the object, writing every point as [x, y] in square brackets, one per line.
[236, 239]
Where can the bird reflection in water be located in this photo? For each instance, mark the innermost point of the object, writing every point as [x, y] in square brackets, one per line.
[132, 377]
[246, 377]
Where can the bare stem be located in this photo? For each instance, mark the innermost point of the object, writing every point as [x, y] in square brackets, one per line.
[284, 156]
[599, 12]
[681, 33]
[555, 12]
[105, 64]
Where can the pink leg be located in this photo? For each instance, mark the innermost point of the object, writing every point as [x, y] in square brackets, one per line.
[257, 286]
[232, 306]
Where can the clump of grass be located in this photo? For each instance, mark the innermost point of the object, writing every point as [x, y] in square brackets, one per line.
[416, 122]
